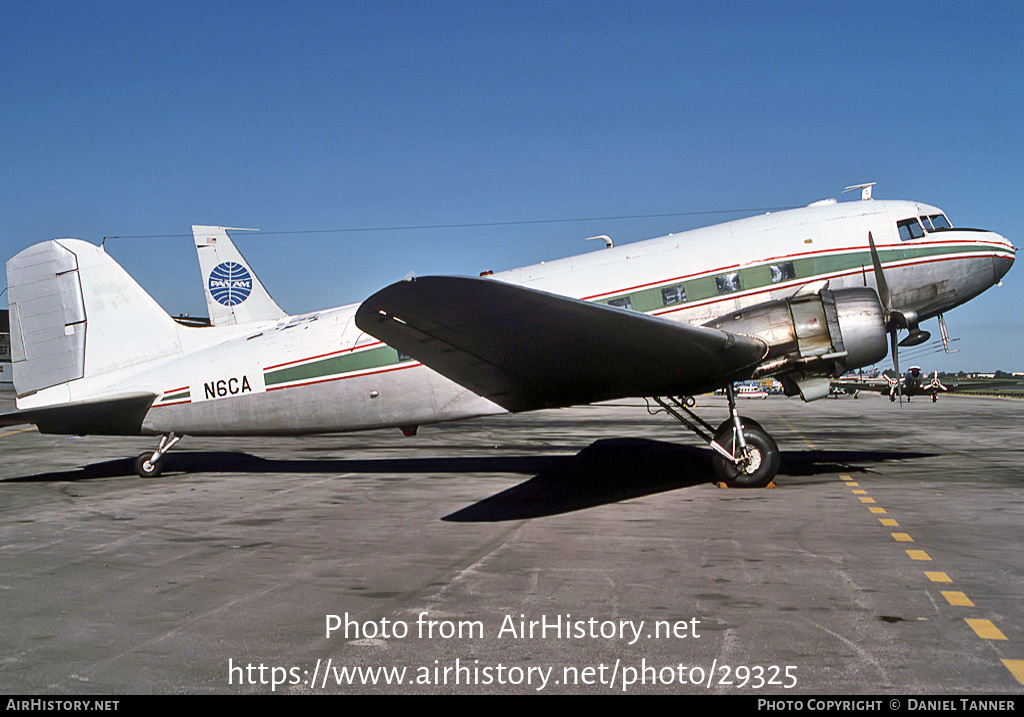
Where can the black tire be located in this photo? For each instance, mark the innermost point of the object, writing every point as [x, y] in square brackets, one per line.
[726, 425]
[765, 461]
[145, 469]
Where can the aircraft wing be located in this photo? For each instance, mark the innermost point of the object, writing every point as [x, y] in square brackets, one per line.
[980, 384]
[862, 384]
[114, 416]
[526, 349]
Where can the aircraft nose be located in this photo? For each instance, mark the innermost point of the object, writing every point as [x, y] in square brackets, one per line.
[1002, 264]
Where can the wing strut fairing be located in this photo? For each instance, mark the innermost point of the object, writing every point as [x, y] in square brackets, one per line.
[526, 349]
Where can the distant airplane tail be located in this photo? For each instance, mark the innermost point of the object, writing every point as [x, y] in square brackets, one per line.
[75, 313]
[233, 293]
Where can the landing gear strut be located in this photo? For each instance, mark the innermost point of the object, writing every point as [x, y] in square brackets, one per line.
[151, 465]
[745, 455]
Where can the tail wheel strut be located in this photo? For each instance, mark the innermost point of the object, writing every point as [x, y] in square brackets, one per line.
[151, 465]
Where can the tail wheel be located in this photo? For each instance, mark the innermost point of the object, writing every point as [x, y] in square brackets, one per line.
[147, 468]
[754, 466]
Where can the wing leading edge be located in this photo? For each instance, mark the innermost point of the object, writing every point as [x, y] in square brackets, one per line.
[526, 349]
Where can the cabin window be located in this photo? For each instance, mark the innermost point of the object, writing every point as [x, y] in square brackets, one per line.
[782, 272]
[622, 302]
[675, 294]
[910, 229]
[727, 283]
[937, 222]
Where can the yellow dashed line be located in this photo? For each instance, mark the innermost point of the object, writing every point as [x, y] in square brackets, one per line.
[20, 430]
[798, 433]
[1016, 668]
[954, 597]
[985, 629]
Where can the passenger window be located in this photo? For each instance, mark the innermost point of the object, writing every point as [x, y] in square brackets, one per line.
[782, 272]
[675, 294]
[910, 229]
[727, 283]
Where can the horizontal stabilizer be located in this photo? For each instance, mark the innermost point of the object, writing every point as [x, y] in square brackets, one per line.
[526, 349]
[116, 416]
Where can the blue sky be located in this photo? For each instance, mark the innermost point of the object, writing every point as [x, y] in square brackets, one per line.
[126, 119]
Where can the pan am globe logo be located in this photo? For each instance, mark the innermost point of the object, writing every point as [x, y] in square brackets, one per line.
[230, 283]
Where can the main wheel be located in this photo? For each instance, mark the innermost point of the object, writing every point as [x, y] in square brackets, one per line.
[755, 468]
[747, 421]
[147, 469]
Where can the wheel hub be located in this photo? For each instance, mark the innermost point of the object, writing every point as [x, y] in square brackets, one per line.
[750, 461]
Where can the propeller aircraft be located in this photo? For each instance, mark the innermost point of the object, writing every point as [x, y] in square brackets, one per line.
[802, 296]
[913, 383]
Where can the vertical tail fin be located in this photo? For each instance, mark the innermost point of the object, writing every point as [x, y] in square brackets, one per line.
[233, 293]
[75, 313]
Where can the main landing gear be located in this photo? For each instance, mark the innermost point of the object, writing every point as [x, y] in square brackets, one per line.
[745, 455]
[151, 465]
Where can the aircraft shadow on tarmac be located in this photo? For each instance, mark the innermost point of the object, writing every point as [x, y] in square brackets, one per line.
[607, 471]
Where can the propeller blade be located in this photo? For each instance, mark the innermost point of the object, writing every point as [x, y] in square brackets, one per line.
[896, 365]
[886, 298]
[883, 286]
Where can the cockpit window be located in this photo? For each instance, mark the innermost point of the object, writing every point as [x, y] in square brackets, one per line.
[935, 222]
[910, 229]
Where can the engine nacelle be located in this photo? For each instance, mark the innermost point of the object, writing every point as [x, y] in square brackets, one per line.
[813, 338]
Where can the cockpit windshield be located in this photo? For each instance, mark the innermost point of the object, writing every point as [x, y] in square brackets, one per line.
[910, 229]
[935, 222]
[916, 227]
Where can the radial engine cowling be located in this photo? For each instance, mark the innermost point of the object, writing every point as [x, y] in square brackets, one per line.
[813, 338]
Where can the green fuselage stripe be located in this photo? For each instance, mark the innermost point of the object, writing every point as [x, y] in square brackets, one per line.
[804, 269]
[334, 365]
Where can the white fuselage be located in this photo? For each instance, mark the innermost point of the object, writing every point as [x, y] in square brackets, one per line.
[320, 373]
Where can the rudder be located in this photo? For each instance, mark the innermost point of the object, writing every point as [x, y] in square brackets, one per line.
[75, 313]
